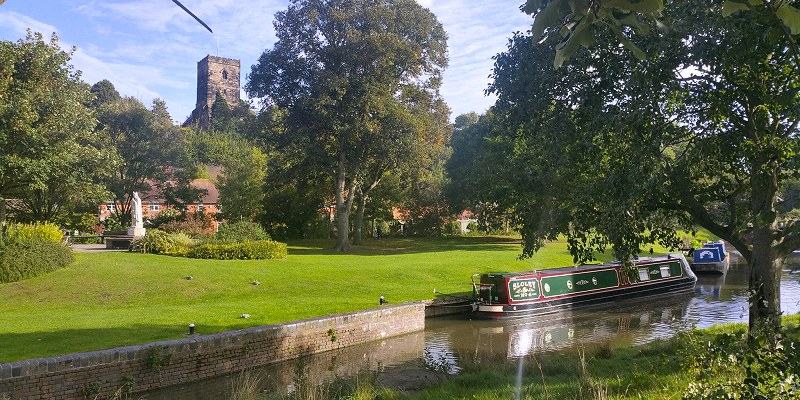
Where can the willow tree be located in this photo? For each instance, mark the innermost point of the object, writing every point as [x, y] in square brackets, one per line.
[339, 68]
[616, 152]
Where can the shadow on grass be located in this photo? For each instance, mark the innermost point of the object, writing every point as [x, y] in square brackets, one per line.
[390, 246]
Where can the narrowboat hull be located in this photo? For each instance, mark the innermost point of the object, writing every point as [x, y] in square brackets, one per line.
[552, 291]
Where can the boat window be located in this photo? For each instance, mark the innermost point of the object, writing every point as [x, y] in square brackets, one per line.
[665, 272]
[643, 274]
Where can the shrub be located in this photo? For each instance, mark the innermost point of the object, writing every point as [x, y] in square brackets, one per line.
[249, 250]
[160, 242]
[196, 226]
[241, 231]
[36, 232]
[165, 216]
[26, 259]
[452, 228]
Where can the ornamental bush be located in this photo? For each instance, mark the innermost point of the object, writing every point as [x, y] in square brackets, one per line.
[34, 233]
[248, 250]
[159, 242]
[241, 231]
[28, 258]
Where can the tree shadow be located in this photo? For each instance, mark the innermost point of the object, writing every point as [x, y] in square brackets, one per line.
[396, 246]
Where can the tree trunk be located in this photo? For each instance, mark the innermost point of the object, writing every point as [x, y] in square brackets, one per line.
[2, 215]
[359, 222]
[765, 285]
[344, 203]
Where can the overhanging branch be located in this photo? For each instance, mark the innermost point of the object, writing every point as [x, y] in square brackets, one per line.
[791, 240]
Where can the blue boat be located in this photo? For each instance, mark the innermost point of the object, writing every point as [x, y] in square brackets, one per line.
[711, 258]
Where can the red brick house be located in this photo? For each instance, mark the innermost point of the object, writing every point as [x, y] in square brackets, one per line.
[153, 202]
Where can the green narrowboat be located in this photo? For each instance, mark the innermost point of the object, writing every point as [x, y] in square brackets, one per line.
[524, 294]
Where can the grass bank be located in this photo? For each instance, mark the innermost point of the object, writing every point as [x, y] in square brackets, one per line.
[112, 299]
[659, 370]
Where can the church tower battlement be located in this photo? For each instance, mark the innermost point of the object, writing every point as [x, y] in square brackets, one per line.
[215, 74]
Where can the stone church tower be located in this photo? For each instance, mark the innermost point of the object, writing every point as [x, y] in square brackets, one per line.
[215, 74]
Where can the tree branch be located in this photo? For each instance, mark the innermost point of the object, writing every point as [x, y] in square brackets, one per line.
[790, 241]
[703, 218]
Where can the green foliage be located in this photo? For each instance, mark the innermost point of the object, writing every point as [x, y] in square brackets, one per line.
[51, 159]
[451, 228]
[241, 231]
[579, 23]
[728, 367]
[159, 242]
[104, 92]
[365, 95]
[198, 226]
[152, 148]
[249, 250]
[36, 232]
[241, 186]
[116, 223]
[244, 168]
[165, 216]
[31, 257]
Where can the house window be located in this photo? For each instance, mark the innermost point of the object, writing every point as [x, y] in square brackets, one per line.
[154, 206]
[110, 207]
[201, 208]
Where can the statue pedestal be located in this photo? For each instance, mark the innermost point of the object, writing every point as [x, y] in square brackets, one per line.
[136, 232]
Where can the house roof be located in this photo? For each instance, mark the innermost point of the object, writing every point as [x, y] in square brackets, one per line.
[212, 193]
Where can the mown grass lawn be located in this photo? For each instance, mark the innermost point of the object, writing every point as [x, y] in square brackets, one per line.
[111, 299]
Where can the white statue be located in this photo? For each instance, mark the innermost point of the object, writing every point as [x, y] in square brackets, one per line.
[137, 223]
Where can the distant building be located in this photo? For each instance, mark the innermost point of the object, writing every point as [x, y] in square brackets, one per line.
[215, 75]
[153, 202]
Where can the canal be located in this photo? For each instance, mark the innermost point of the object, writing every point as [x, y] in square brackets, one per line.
[414, 361]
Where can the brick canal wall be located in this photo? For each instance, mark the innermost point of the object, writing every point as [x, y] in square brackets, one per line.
[155, 365]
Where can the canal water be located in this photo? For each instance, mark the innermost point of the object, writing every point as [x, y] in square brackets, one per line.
[414, 361]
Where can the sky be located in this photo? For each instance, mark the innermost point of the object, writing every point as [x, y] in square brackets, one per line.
[150, 48]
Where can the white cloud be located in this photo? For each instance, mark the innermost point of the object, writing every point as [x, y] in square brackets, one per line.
[130, 79]
[18, 24]
[149, 48]
[477, 31]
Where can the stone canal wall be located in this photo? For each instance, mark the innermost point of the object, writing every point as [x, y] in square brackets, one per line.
[150, 366]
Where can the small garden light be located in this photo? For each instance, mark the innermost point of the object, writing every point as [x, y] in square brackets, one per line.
[382, 300]
[191, 329]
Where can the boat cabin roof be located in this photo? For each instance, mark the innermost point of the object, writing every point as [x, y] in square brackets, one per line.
[587, 267]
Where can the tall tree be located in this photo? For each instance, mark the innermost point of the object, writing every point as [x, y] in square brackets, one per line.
[149, 144]
[476, 181]
[50, 156]
[615, 152]
[579, 23]
[338, 68]
[244, 169]
[104, 92]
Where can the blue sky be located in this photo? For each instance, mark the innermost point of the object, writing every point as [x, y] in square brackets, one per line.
[150, 48]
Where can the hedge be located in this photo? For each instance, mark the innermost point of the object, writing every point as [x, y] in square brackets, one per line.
[248, 250]
[36, 232]
[160, 242]
[241, 231]
[26, 259]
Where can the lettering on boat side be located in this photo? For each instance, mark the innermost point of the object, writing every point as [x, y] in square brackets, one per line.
[523, 289]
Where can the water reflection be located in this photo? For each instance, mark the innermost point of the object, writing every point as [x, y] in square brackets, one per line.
[414, 361]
